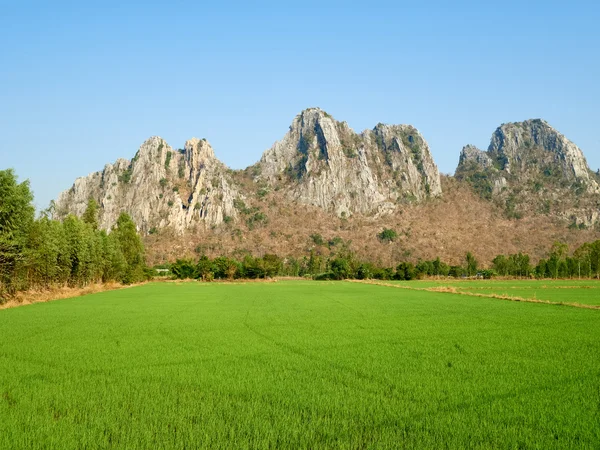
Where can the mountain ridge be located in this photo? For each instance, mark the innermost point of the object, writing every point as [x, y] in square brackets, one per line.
[321, 175]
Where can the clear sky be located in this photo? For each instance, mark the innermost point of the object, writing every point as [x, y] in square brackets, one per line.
[83, 83]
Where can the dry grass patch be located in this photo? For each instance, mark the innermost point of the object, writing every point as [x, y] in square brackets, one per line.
[58, 293]
[454, 290]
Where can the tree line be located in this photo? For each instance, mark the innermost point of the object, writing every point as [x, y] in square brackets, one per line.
[44, 252]
[583, 263]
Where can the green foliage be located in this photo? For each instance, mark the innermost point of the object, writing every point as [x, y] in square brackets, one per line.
[256, 219]
[296, 171]
[76, 253]
[132, 248]
[471, 265]
[335, 241]
[168, 159]
[184, 269]
[305, 142]
[480, 180]
[378, 138]
[499, 161]
[340, 269]
[517, 265]
[125, 177]
[239, 204]
[227, 219]
[387, 235]
[405, 271]
[349, 152]
[487, 274]
[16, 218]
[163, 182]
[90, 216]
[317, 239]
[512, 201]
[365, 271]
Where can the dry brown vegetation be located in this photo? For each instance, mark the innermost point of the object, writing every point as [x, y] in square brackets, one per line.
[447, 227]
[57, 293]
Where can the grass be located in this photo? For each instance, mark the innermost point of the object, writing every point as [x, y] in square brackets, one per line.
[585, 292]
[297, 365]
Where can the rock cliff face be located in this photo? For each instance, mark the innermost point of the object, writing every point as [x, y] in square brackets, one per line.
[322, 162]
[531, 167]
[159, 187]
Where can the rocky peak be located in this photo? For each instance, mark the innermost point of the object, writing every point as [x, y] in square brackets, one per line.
[323, 162]
[160, 187]
[515, 140]
[472, 155]
[531, 167]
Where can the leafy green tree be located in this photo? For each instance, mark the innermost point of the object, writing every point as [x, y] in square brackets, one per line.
[76, 249]
[90, 216]
[46, 253]
[315, 264]
[365, 271]
[184, 269]
[114, 263]
[583, 255]
[16, 217]
[340, 268]
[272, 265]
[131, 247]
[471, 265]
[595, 258]
[204, 268]
[500, 265]
[541, 270]
[405, 271]
[556, 264]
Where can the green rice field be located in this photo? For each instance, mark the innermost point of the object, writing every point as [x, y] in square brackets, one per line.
[585, 292]
[303, 364]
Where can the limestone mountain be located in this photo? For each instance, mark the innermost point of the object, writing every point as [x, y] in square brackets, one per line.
[323, 162]
[324, 188]
[530, 167]
[319, 162]
[159, 187]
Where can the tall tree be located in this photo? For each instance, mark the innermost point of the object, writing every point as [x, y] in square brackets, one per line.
[471, 264]
[16, 217]
[132, 248]
[90, 216]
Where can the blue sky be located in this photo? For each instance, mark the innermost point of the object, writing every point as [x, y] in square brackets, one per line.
[84, 83]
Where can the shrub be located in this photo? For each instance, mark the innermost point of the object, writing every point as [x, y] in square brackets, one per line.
[387, 235]
[125, 177]
[317, 239]
[184, 269]
[168, 159]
